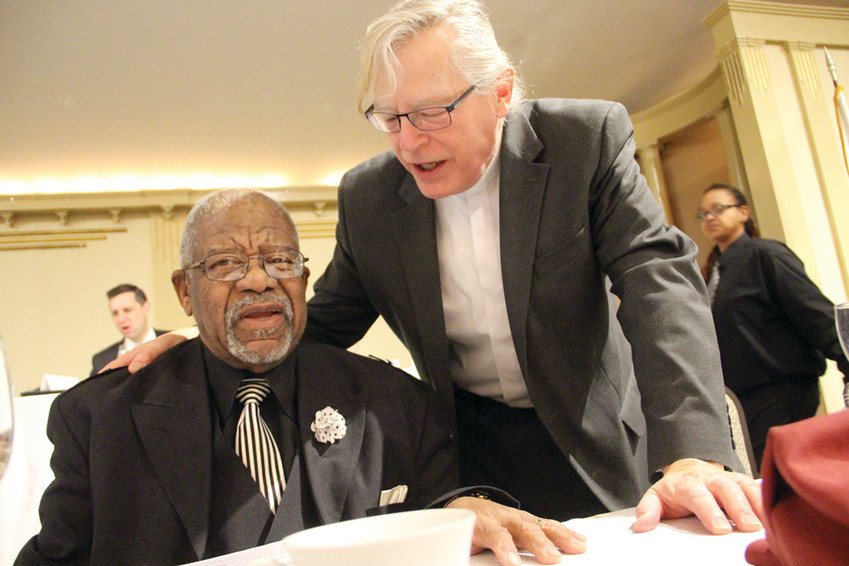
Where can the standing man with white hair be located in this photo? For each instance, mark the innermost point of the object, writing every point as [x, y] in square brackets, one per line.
[490, 240]
[487, 240]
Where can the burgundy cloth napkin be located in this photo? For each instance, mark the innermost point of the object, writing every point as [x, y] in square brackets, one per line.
[805, 474]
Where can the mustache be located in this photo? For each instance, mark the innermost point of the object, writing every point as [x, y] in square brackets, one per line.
[235, 311]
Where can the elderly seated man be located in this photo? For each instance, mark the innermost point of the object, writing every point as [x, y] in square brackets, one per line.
[159, 467]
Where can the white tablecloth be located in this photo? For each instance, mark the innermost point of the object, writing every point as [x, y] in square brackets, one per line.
[610, 542]
[27, 474]
[672, 543]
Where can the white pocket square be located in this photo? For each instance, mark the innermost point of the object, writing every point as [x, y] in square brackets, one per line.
[395, 495]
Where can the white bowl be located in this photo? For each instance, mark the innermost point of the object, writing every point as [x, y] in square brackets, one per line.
[430, 537]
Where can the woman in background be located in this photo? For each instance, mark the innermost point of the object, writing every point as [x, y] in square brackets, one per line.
[774, 326]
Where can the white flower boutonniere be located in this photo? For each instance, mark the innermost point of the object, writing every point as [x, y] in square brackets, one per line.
[328, 426]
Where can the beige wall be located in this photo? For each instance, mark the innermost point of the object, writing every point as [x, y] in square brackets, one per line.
[693, 159]
[53, 315]
[53, 312]
[769, 100]
[772, 106]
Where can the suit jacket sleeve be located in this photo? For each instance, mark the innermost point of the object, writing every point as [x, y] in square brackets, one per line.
[65, 509]
[663, 312]
[436, 470]
[809, 310]
[340, 312]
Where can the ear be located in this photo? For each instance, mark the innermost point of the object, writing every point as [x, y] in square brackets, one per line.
[181, 287]
[146, 308]
[744, 211]
[504, 92]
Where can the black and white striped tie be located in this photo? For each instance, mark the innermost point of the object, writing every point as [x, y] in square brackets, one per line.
[255, 445]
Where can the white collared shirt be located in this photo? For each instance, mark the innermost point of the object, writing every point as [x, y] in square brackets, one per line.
[128, 344]
[484, 359]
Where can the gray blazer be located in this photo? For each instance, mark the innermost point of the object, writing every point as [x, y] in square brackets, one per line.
[132, 458]
[577, 218]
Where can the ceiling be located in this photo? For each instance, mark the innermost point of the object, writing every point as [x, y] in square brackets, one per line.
[118, 90]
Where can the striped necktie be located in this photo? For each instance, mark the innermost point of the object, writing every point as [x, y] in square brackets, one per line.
[255, 445]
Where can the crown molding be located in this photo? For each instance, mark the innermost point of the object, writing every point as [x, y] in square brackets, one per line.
[62, 208]
[681, 98]
[772, 8]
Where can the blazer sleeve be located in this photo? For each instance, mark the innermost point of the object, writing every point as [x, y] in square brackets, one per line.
[663, 308]
[340, 312]
[65, 509]
[437, 469]
[809, 310]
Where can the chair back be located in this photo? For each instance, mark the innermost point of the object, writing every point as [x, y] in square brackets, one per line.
[740, 434]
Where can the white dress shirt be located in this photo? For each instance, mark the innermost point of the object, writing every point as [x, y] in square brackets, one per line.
[128, 344]
[483, 358]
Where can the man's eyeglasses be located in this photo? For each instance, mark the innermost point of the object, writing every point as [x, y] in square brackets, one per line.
[285, 263]
[426, 119]
[714, 210]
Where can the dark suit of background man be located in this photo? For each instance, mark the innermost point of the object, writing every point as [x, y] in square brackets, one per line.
[130, 312]
[145, 466]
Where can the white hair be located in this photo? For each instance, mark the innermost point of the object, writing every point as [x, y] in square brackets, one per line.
[475, 53]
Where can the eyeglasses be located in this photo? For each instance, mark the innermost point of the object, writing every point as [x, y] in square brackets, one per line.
[284, 263]
[715, 210]
[426, 119]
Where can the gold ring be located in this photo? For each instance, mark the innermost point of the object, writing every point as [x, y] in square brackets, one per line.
[539, 522]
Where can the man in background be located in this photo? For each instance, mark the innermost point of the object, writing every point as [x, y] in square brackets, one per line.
[130, 312]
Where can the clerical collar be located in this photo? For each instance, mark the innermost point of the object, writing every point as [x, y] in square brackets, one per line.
[224, 380]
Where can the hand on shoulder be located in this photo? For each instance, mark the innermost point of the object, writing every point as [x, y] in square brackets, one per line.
[143, 354]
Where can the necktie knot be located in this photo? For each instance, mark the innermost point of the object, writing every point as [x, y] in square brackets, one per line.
[252, 390]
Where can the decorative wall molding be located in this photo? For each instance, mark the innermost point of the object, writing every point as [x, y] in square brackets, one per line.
[805, 64]
[64, 220]
[744, 67]
[772, 8]
[679, 99]
[324, 228]
[796, 10]
[53, 238]
[113, 206]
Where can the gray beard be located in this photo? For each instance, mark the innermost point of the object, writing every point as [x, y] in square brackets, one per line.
[239, 350]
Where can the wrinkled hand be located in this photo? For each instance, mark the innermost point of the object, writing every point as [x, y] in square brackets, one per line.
[704, 489]
[145, 353]
[503, 529]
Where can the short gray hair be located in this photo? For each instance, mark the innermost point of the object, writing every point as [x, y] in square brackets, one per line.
[475, 52]
[213, 204]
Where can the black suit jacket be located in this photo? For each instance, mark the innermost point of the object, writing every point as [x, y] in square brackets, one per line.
[108, 354]
[133, 456]
[575, 214]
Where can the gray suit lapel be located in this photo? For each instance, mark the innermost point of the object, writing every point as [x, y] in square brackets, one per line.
[522, 188]
[415, 233]
[174, 428]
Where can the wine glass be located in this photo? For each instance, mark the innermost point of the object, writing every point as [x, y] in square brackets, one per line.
[6, 419]
[841, 320]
